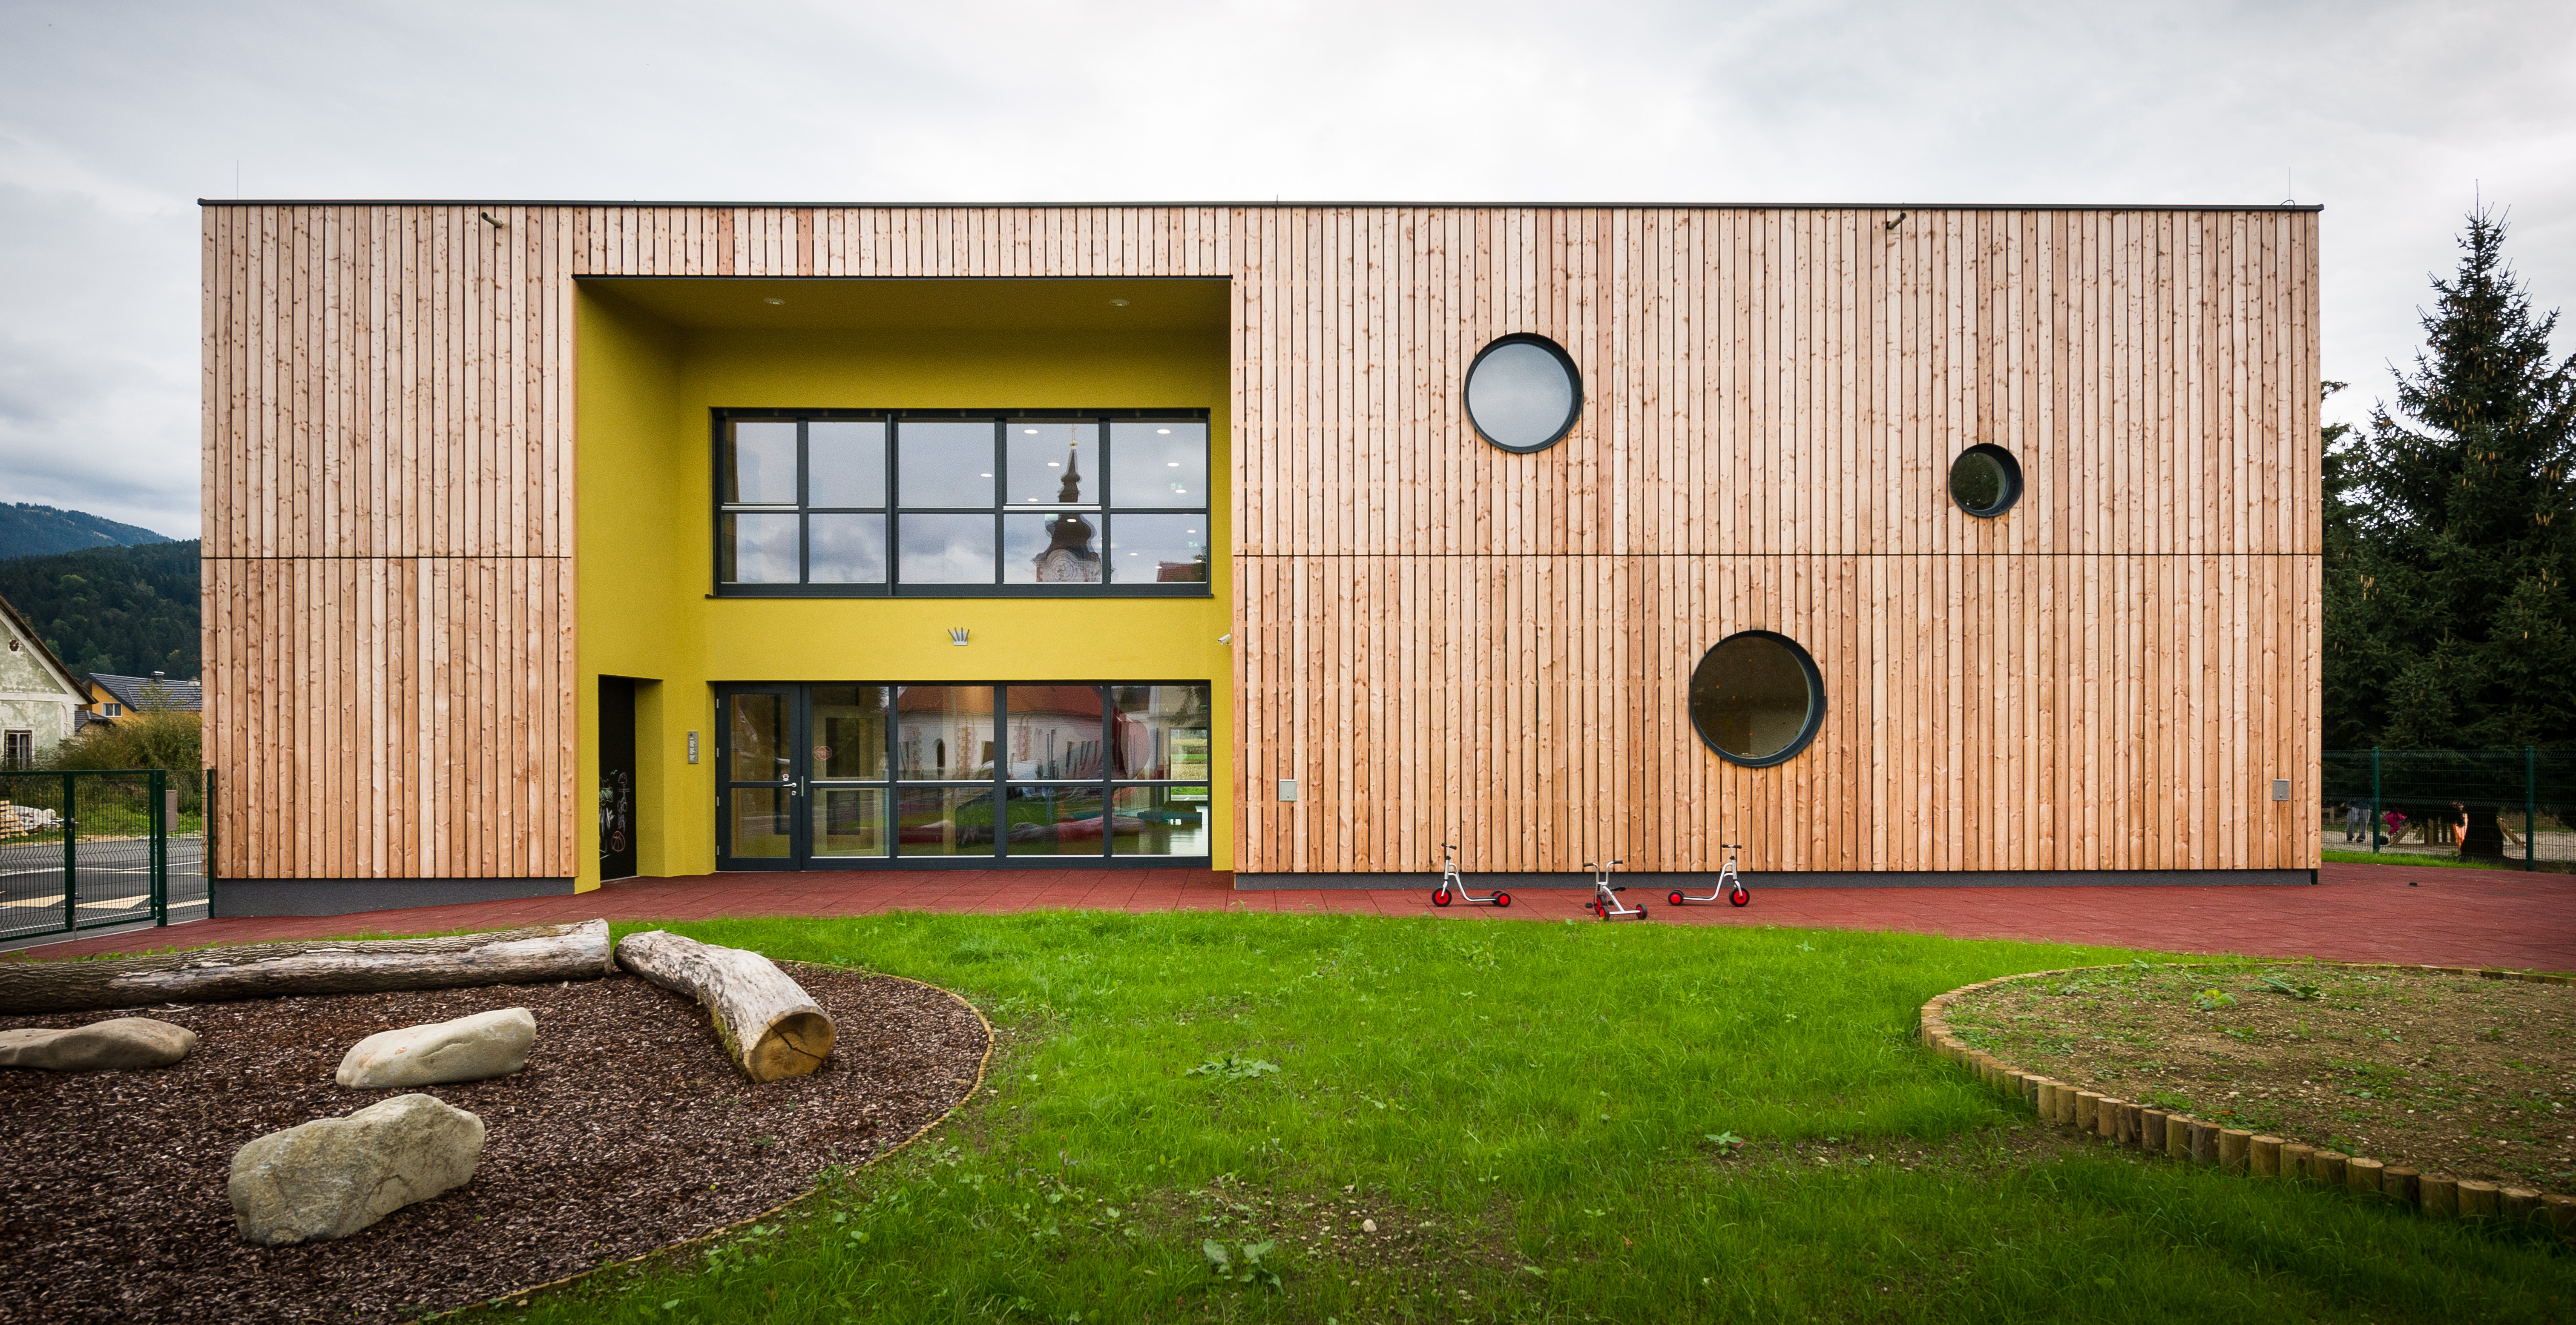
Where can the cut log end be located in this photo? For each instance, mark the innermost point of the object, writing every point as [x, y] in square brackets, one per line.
[793, 1045]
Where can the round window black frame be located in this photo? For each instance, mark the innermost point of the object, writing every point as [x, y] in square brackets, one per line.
[1573, 375]
[1816, 701]
[2012, 480]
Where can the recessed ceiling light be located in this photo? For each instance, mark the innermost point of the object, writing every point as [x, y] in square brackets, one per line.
[1171, 464]
[773, 299]
[1117, 303]
[983, 476]
[1030, 431]
[1165, 431]
[1055, 464]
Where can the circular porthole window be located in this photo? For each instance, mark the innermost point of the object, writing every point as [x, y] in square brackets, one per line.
[1985, 480]
[1523, 393]
[1757, 698]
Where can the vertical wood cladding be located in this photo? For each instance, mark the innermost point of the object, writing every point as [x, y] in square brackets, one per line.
[1442, 641]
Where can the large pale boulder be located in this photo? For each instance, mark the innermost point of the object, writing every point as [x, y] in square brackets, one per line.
[487, 1044]
[333, 1176]
[118, 1043]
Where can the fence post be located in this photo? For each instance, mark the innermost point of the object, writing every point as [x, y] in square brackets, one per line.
[164, 803]
[2375, 823]
[71, 854]
[2530, 803]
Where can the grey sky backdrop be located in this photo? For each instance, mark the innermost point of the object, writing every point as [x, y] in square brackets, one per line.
[115, 117]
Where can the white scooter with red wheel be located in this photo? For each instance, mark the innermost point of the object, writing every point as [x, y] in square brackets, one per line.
[1605, 901]
[1453, 889]
[1730, 887]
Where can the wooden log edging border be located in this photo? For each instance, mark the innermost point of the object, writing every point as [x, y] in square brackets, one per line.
[2197, 1141]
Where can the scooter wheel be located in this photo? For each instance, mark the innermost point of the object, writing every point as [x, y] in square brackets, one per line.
[1439, 897]
[1502, 898]
[1641, 910]
[1739, 897]
[1674, 897]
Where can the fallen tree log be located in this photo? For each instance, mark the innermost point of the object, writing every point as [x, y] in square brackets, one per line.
[321, 966]
[764, 1019]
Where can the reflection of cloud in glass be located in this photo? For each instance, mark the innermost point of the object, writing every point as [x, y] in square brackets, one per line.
[1158, 549]
[848, 549]
[762, 464]
[945, 463]
[1158, 463]
[845, 462]
[947, 549]
[759, 549]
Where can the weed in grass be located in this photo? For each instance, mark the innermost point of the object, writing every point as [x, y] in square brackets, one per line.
[2304, 993]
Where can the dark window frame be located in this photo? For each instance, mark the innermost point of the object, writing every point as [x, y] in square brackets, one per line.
[1105, 510]
[1573, 376]
[1817, 701]
[2012, 480]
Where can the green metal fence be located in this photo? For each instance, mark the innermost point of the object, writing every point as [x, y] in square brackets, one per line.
[2505, 805]
[83, 848]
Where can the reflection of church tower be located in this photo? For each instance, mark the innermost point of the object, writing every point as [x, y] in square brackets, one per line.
[1069, 558]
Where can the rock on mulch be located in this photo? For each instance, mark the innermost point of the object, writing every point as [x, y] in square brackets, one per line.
[628, 1130]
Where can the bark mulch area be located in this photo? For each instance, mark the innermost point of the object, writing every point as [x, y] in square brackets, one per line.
[2451, 1074]
[628, 1130]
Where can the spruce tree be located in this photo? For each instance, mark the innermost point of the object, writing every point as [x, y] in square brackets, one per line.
[2460, 554]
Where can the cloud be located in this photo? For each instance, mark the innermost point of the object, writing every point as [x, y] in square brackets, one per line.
[2394, 115]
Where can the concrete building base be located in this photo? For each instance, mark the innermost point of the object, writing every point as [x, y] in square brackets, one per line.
[339, 897]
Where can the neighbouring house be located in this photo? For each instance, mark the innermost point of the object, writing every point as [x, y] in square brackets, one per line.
[113, 696]
[1947, 545]
[40, 699]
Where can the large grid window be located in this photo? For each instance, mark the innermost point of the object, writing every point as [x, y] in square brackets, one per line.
[962, 504]
[849, 773]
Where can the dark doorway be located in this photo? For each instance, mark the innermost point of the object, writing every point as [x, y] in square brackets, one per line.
[616, 777]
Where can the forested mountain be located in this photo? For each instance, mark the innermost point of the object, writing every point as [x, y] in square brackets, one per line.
[28, 530]
[130, 610]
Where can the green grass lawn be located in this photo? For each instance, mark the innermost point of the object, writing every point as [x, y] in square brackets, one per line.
[1525, 1112]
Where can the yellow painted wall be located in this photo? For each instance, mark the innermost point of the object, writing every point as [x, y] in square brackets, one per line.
[646, 516]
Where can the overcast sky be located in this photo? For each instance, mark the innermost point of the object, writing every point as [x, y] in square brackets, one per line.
[115, 117]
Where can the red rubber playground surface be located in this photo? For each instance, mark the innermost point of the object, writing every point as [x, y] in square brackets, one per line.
[2455, 917]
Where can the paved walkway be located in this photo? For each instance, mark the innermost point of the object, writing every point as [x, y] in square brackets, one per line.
[2357, 913]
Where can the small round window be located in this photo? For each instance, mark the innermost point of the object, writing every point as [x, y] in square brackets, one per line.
[1523, 393]
[1985, 480]
[1757, 698]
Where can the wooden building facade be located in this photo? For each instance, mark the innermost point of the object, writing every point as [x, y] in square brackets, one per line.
[1434, 639]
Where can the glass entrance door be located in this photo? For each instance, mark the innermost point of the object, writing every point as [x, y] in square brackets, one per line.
[762, 777]
[805, 773]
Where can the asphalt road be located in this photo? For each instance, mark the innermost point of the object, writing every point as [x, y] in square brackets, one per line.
[115, 883]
